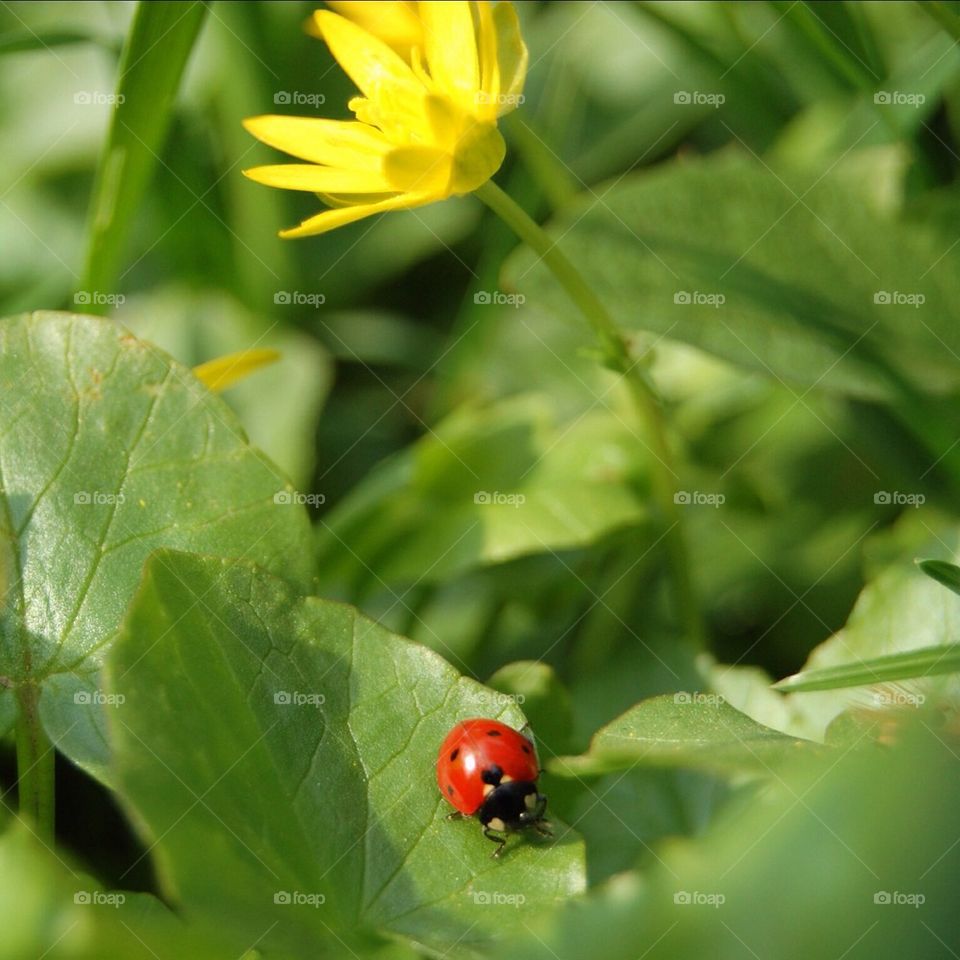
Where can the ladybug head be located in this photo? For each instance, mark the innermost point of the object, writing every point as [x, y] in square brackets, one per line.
[513, 805]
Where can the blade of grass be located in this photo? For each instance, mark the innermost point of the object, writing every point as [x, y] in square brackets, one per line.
[947, 574]
[154, 57]
[928, 662]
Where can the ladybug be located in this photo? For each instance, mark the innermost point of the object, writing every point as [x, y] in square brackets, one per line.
[489, 770]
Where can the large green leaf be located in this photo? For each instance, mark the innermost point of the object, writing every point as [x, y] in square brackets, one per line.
[683, 730]
[51, 909]
[161, 37]
[110, 450]
[485, 486]
[796, 276]
[279, 747]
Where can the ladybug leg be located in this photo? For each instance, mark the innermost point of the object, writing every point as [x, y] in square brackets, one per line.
[499, 840]
[456, 815]
[543, 828]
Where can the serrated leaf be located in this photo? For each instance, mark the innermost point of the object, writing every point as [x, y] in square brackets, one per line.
[683, 730]
[309, 776]
[111, 450]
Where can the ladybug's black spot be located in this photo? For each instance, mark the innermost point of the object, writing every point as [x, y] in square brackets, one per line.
[493, 733]
[455, 754]
[492, 775]
[450, 790]
[525, 749]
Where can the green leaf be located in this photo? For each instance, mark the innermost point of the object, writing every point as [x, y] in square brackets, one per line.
[50, 909]
[536, 687]
[25, 41]
[279, 747]
[945, 573]
[482, 487]
[780, 272]
[154, 57]
[110, 451]
[683, 730]
[929, 662]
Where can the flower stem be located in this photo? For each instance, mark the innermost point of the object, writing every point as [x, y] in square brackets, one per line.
[616, 356]
[35, 763]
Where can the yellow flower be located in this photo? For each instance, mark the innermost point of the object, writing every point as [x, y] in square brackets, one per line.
[395, 22]
[426, 127]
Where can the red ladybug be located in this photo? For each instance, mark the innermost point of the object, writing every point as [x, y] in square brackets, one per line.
[488, 769]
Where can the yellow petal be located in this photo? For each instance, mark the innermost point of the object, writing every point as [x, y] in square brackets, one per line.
[419, 170]
[331, 219]
[479, 155]
[489, 68]
[451, 48]
[305, 176]
[225, 371]
[394, 22]
[512, 58]
[335, 143]
[395, 95]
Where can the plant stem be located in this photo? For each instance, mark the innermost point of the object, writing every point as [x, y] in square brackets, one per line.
[35, 763]
[617, 357]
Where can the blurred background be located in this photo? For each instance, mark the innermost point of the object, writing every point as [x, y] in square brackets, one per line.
[417, 377]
